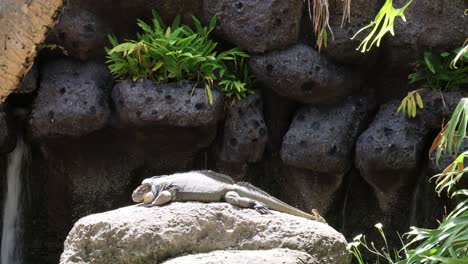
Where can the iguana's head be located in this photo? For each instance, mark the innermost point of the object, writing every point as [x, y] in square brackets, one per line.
[143, 193]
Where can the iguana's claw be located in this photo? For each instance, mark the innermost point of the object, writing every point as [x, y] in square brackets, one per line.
[261, 208]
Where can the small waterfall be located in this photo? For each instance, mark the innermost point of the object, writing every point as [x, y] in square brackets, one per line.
[10, 244]
[345, 203]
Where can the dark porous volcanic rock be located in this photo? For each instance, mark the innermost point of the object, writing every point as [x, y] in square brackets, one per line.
[341, 47]
[84, 24]
[72, 99]
[80, 32]
[431, 24]
[121, 15]
[256, 26]
[29, 82]
[7, 130]
[322, 139]
[301, 74]
[388, 153]
[146, 103]
[245, 132]
[312, 190]
[438, 107]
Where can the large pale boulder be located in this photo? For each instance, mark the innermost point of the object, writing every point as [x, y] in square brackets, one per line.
[23, 25]
[138, 234]
[271, 256]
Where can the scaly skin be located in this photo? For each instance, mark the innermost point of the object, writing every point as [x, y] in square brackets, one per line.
[208, 186]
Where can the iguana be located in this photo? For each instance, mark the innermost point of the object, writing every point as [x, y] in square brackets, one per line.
[209, 186]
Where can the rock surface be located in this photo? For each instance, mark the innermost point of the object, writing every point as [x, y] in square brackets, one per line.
[150, 235]
[388, 153]
[341, 47]
[431, 24]
[438, 107]
[301, 74]
[312, 190]
[72, 100]
[271, 256]
[256, 26]
[29, 82]
[145, 103]
[85, 24]
[245, 132]
[80, 33]
[322, 139]
[7, 130]
[23, 26]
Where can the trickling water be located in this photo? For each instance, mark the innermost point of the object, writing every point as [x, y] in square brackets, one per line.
[345, 202]
[10, 249]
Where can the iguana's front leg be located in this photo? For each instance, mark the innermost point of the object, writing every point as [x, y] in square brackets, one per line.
[163, 198]
[234, 198]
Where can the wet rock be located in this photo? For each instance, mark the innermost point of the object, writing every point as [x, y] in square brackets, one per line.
[7, 130]
[322, 139]
[388, 153]
[72, 100]
[29, 82]
[300, 73]
[158, 233]
[256, 26]
[341, 47]
[145, 103]
[273, 256]
[245, 132]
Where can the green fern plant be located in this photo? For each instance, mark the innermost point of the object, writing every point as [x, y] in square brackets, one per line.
[436, 73]
[446, 71]
[382, 24]
[172, 53]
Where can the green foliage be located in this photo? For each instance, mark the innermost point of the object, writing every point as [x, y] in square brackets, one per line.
[454, 132]
[382, 24]
[410, 103]
[440, 72]
[171, 53]
[436, 74]
[462, 54]
[388, 255]
[448, 243]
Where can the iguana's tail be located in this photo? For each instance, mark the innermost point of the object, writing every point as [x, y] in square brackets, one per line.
[252, 192]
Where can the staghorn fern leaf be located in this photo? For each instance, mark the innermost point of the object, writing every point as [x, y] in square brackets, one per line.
[381, 25]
